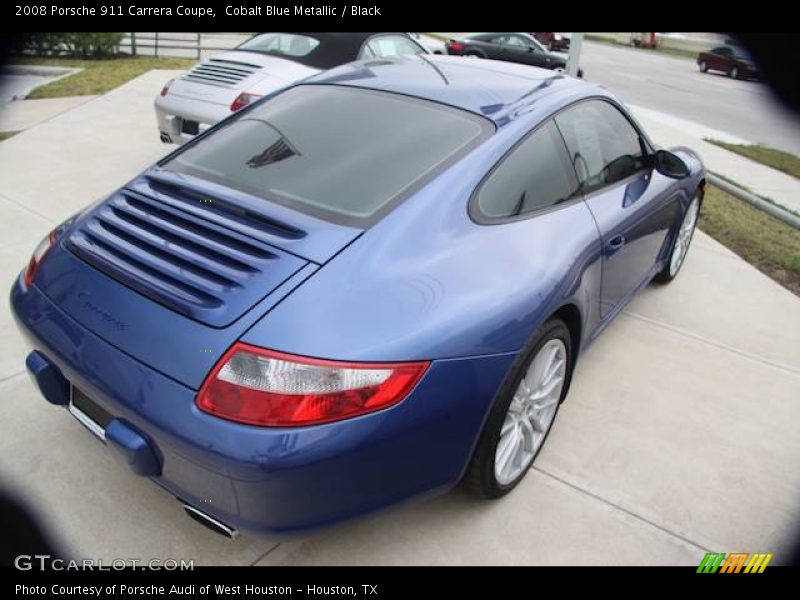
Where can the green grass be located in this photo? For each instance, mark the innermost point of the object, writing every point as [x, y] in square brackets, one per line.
[4, 135]
[770, 245]
[777, 159]
[97, 76]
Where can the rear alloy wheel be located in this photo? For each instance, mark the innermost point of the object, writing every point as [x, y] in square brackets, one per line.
[680, 246]
[734, 73]
[703, 66]
[523, 414]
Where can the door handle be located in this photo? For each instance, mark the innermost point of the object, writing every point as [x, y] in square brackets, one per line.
[615, 243]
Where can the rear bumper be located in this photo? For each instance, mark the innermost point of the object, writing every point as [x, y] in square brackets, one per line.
[172, 110]
[274, 480]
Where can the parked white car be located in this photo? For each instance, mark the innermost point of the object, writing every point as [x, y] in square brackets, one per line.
[191, 103]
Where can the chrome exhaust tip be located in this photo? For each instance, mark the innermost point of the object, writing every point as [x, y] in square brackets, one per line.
[210, 522]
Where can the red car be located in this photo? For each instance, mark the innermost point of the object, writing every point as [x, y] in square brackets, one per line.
[732, 60]
[554, 42]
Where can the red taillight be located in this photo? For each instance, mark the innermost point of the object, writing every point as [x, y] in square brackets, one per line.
[455, 46]
[36, 258]
[165, 89]
[243, 100]
[262, 387]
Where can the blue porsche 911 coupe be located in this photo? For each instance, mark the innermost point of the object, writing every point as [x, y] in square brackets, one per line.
[371, 285]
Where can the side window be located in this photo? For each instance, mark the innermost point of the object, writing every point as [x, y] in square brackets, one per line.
[389, 45]
[603, 145]
[366, 52]
[534, 176]
[516, 40]
[500, 39]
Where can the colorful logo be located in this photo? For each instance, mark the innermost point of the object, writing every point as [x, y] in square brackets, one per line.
[735, 562]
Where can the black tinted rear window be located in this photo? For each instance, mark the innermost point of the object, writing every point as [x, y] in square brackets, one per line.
[291, 45]
[343, 154]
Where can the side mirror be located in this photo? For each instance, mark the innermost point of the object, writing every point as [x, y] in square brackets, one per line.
[670, 165]
[531, 48]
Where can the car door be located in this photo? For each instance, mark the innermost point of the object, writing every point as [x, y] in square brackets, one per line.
[634, 206]
[520, 49]
[718, 59]
[726, 60]
[496, 48]
[535, 53]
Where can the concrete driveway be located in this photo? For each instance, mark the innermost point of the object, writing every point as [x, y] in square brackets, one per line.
[680, 435]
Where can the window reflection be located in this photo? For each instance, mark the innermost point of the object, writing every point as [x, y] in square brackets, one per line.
[277, 151]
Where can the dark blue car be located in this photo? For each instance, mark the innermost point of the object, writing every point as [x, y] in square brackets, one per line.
[372, 285]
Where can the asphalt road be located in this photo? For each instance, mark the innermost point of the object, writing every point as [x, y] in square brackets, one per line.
[674, 85]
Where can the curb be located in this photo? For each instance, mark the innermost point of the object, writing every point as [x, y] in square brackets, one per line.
[37, 70]
[774, 210]
[53, 73]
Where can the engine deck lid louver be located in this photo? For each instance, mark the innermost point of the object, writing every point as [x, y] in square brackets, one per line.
[221, 72]
[278, 226]
[194, 266]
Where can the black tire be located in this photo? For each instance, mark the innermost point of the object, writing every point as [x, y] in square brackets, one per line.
[475, 54]
[734, 73]
[703, 66]
[664, 276]
[480, 476]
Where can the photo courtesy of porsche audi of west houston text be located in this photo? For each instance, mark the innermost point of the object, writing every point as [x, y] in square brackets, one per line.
[194, 590]
[238, 10]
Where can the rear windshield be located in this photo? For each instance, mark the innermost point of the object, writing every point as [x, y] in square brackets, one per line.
[342, 154]
[281, 44]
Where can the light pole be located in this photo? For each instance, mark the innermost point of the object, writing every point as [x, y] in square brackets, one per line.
[574, 53]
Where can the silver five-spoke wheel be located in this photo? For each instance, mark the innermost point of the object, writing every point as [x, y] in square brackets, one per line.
[684, 238]
[531, 412]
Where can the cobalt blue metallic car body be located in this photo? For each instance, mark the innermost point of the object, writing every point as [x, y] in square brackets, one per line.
[138, 301]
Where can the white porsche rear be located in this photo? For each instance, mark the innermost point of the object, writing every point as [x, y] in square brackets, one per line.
[201, 97]
[267, 62]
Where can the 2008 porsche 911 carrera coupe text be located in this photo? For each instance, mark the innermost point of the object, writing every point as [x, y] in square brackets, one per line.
[368, 286]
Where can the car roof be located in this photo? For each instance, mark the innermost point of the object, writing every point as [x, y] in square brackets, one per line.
[492, 89]
[333, 49]
[492, 34]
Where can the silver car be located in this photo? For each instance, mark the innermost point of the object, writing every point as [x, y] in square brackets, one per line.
[191, 103]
